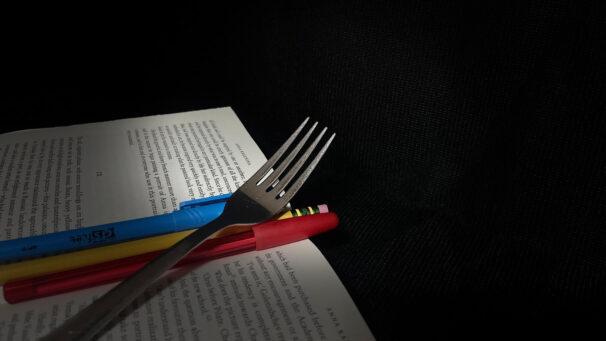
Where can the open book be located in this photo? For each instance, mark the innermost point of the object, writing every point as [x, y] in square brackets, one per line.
[71, 177]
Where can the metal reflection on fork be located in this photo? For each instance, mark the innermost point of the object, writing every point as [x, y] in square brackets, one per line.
[258, 199]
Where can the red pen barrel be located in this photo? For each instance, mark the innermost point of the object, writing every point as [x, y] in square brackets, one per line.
[279, 232]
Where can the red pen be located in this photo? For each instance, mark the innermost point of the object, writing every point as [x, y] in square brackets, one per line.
[261, 236]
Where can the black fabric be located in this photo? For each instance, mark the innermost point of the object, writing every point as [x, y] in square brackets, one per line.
[469, 165]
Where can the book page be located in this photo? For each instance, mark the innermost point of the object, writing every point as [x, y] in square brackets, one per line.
[63, 178]
[284, 293]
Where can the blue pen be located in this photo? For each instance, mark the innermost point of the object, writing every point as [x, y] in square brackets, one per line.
[191, 214]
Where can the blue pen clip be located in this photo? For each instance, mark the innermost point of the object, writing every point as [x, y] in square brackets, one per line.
[219, 199]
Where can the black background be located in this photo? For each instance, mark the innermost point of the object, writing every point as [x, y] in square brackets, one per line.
[469, 165]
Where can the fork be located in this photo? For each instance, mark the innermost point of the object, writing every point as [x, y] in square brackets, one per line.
[258, 199]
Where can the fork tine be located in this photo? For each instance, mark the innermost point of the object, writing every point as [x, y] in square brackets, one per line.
[271, 179]
[293, 171]
[274, 158]
[303, 177]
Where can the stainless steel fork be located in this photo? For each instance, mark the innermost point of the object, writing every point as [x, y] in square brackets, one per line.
[258, 199]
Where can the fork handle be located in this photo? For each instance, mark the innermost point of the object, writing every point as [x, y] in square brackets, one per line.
[92, 319]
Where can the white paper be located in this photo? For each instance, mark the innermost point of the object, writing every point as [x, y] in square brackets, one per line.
[69, 177]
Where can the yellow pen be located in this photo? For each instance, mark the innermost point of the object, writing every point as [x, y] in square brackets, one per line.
[72, 260]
